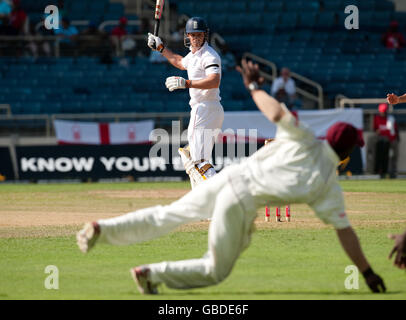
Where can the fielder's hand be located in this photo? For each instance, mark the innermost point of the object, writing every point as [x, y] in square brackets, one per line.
[400, 249]
[392, 98]
[250, 73]
[155, 43]
[374, 282]
[174, 83]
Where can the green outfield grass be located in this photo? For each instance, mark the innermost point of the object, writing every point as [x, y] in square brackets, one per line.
[297, 260]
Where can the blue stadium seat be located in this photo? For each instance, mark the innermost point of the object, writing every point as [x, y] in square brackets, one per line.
[333, 5]
[187, 7]
[115, 7]
[77, 6]
[257, 6]
[384, 5]
[288, 20]
[307, 19]
[238, 7]
[274, 6]
[206, 8]
[294, 33]
[96, 8]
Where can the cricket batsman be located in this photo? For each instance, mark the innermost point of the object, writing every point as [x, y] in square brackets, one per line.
[203, 66]
[295, 168]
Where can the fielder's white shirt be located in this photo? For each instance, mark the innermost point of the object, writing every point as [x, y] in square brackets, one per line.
[298, 168]
[199, 65]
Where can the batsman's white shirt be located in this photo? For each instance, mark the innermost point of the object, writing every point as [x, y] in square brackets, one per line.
[207, 112]
[297, 168]
[199, 65]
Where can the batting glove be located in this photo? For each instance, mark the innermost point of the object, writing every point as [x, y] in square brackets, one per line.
[155, 43]
[174, 83]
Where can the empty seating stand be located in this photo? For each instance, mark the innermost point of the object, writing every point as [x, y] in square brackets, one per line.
[307, 36]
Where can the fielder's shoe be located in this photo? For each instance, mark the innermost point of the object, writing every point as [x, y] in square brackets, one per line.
[141, 277]
[86, 238]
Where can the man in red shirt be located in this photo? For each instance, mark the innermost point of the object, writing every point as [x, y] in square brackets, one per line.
[121, 29]
[18, 17]
[387, 147]
[393, 39]
[118, 33]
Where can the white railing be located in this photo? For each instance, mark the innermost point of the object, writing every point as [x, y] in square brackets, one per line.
[352, 102]
[109, 23]
[338, 99]
[216, 38]
[267, 76]
[76, 23]
[104, 24]
[56, 39]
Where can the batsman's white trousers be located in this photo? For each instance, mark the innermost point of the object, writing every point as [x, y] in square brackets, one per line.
[206, 120]
[226, 196]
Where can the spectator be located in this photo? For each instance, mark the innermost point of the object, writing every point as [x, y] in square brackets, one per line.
[121, 29]
[387, 144]
[321, 6]
[94, 41]
[18, 19]
[118, 34]
[43, 46]
[5, 10]
[284, 88]
[393, 39]
[34, 47]
[68, 34]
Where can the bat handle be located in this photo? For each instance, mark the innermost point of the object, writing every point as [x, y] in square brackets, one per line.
[156, 27]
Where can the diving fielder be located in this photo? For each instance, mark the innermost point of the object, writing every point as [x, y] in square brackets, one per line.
[203, 66]
[295, 168]
[394, 99]
[400, 239]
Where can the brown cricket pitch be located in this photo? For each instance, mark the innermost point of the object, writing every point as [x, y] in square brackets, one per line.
[51, 214]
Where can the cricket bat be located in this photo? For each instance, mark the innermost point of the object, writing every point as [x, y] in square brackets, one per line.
[158, 14]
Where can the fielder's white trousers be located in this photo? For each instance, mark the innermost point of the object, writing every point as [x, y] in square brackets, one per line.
[224, 198]
[206, 121]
